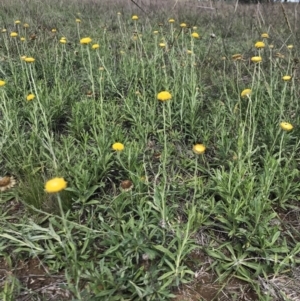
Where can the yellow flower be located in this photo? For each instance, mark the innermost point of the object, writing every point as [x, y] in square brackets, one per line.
[237, 57]
[265, 35]
[259, 45]
[195, 27]
[118, 146]
[3, 30]
[246, 92]
[78, 20]
[53, 30]
[271, 46]
[85, 41]
[23, 57]
[195, 35]
[171, 20]
[30, 97]
[189, 52]
[183, 25]
[286, 126]
[29, 59]
[155, 32]
[95, 46]
[256, 59]
[134, 17]
[2, 83]
[162, 45]
[55, 185]
[286, 78]
[164, 96]
[290, 46]
[199, 149]
[122, 52]
[22, 39]
[25, 25]
[119, 14]
[17, 22]
[63, 41]
[7, 183]
[13, 34]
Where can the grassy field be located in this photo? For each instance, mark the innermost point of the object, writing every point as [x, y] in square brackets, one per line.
[149, 151]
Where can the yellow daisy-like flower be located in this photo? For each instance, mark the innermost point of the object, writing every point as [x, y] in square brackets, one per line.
[290, 46]
[29, 59]
[78, 20]
[259, 45]
[53, 30]
[25, 25]
[7, 183]
[199, 149]
[134, 17]
[95, 46]
[2, 83]
[30, 97]
[118, 146]
[256, 59]
[85, 41]
[17, 22]
[183, 25]
[246, 92]
[286, 126]
[265, 35]
[13, 34]
[155, 32]
[164, 96]
[22, 39]
[55, 185]
[171, 20]
[286, 78]
[195, 35]
[63, 41]
[162, 45]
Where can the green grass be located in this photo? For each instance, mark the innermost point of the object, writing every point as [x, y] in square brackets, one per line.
[238, 203]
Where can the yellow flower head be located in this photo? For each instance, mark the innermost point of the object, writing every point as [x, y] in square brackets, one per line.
[17, 22]
[162, 45]
[286, 126]
[63, 41]
[134, 17]
[22, 39]
[183, 25]
[171, 20]
[290, 46]
[13, 34]
[25, 25]
[29, 59]
[78, 20]
[118, 146]
[195, 35]
[265, 35]
[189, 52]
[286, 78]
[30, 97]
[259, 45]
[85, 41]
[256, 59]
[55, 185]
[271, 46]
[95, 46]
[246, 92]
[199, 149]
[164, 96]
[53, 30]
[155, 32]
[2, 83]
